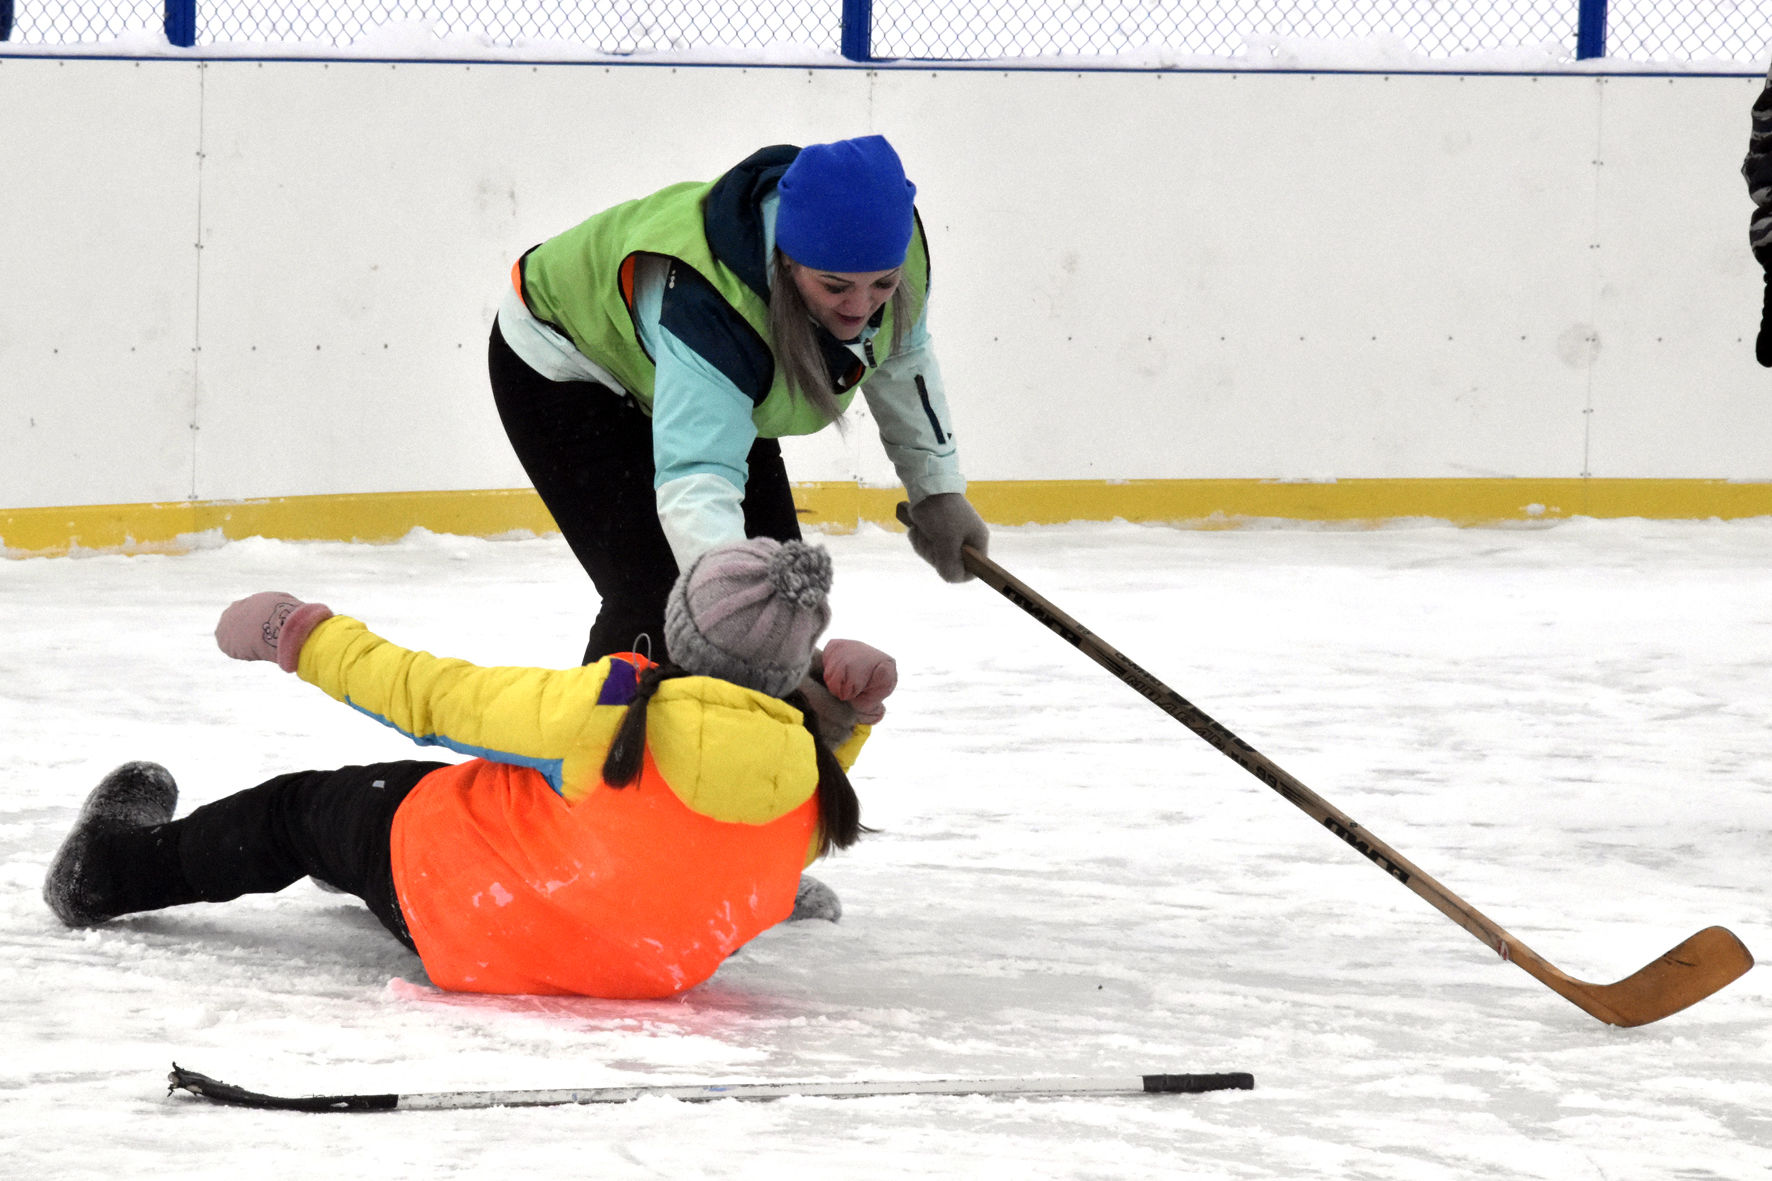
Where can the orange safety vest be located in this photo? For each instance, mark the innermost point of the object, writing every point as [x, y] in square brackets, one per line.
[507, 888]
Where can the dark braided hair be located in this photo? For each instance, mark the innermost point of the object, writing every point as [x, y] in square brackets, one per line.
[627, 753]
[839, 809]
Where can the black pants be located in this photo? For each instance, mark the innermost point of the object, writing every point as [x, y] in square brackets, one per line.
[588, 451]
[330, 825]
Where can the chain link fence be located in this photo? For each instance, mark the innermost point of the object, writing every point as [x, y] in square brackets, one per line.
[906, 28]
[607, 28]
[1640, 30]
[1672, 31]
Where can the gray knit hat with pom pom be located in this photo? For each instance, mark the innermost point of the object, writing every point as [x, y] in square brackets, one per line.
[750, 613]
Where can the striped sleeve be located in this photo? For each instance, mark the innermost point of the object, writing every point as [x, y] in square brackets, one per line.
[1756, 169]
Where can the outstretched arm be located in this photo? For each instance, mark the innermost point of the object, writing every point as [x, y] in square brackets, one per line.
[547, 719]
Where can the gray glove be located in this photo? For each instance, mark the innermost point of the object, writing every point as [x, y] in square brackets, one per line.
[939, 526]
[834, 719]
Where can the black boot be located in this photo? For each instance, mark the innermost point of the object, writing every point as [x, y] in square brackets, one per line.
[83, 886]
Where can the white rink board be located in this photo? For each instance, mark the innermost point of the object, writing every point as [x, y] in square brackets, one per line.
[98, 263]
[1138, 275]
[374, 290]
[1677, 392]
[1274, 276]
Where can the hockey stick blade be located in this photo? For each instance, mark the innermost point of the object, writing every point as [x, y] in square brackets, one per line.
[1684, 976]
[227, 1094]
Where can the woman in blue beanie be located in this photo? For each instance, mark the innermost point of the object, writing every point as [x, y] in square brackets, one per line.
[646, 362]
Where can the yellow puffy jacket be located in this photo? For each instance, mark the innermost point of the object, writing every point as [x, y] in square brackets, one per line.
[521, 871]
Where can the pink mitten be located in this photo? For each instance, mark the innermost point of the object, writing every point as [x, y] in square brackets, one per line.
[862, 675]
[270, 625]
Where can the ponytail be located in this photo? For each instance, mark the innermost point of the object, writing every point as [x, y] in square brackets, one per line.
[627, 753]
[839, 808]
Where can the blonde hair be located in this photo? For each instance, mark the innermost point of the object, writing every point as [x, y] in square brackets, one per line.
[794, 336]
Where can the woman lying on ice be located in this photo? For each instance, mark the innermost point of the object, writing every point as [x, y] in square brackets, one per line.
[627, 827]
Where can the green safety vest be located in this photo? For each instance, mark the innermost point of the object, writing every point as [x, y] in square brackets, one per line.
[581, 283]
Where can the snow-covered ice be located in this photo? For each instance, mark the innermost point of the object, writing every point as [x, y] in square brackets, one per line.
[1565, 724]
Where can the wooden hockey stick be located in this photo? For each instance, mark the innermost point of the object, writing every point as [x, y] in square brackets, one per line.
[1684, 976]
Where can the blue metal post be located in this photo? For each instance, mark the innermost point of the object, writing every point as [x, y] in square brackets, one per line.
[181, 22]
[1590, 31]
[5, 20]
[858, 30]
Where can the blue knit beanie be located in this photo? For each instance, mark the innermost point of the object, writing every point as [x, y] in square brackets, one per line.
[846, 207]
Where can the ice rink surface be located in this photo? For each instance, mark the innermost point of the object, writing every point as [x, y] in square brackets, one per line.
[1565, 724]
